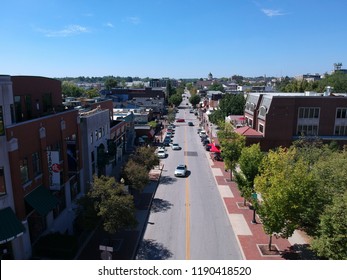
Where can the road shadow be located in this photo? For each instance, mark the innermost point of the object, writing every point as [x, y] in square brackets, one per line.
[167, 180]
[160, 205]
[152, 250]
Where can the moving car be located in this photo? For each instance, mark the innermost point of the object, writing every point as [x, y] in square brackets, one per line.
[175, 146]
[190, 124]
[180, 120]
[181, 170]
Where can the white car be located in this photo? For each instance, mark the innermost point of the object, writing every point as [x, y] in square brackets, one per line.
[175, 146]
[161, 153]
[181, 170]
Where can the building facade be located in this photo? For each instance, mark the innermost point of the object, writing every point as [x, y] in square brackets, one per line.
[278, 119]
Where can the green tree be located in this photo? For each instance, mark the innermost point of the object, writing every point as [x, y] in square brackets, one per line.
[111, 202]
[249, 163]
[110, 83]
[286, 184]
[70, 89]
[217, 87]
[231, 145]
[175, 99]
[331, 242]
[136, 175]
[91, 93]
[194, 100]
[146, 156]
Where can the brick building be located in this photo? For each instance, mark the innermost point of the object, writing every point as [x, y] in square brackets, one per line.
[278, 119]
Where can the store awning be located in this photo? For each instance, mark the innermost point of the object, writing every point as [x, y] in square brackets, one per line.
[42, 200]
[11, 227]
[214, 149]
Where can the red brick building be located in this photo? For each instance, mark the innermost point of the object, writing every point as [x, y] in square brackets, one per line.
[278, 119]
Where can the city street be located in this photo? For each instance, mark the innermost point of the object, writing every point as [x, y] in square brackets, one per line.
[188, 219]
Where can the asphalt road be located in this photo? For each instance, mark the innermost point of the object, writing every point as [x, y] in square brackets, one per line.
[188, 219]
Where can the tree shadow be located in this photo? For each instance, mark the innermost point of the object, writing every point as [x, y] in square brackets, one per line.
[299, 252]
[167, 180]
[152, 250]
[160, 205]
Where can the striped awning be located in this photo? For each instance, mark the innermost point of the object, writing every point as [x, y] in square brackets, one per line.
[11, 227]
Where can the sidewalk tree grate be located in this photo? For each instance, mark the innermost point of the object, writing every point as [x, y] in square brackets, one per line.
[265, 252]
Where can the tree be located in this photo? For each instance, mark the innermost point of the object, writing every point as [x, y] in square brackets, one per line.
[194, 100]
[70, 89]
[286, 184]
[331, 242]
[136, 175]
[231, 145]
[175, 99]
[217, 87]
[146, 156]
[112, 204]
[91, 93]
[249, 163]
[110, 83]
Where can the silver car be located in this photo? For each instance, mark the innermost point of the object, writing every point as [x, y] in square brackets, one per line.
[181, 170]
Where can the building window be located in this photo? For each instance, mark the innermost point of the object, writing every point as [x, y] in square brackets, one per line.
[91, 138]
[96, 134]
[340, 130]
[47, 102]
[18, 108]
[2, 182]
[308, 113]
[24, 171]
[261, 128]
[36, 163]
[262, 111]
[100, 133]
[307, 130]
[341, 113]
[2, 125]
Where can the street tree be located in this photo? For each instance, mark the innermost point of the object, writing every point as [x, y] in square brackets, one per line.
[249, 162]
[285, 184]
[111, 203]
[175, 99]
[136, 175]
[331, 243]
[231, 144]
[146, 156]
[194, 100]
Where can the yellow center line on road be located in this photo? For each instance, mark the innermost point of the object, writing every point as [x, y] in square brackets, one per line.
[187, 201]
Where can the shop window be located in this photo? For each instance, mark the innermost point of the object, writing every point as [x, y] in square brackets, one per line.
[36, 160]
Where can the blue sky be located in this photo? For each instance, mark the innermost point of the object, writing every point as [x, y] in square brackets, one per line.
[172, 38]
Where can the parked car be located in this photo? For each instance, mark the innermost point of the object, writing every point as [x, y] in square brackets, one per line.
[202, 133]
[208, 147]
[190, 124]
[205, 141]
[161, 153]
[169, 134]
[167, 141]
[181, 170]
[217, 156]
[199, 129]
[175, 146]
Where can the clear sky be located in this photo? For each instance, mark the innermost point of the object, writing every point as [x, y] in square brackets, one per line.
[172, 38]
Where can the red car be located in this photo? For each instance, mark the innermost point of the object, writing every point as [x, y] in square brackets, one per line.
[180, 120]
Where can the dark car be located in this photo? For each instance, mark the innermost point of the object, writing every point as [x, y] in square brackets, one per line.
[217, 156]
[180, 120]
[208, 147]
[205, 142]
[190, 124]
